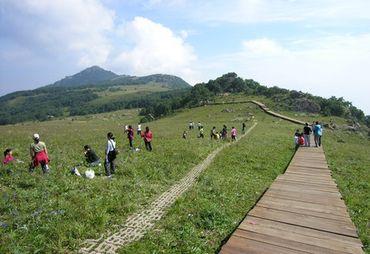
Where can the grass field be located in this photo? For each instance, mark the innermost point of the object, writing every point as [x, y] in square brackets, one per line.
[55, 213]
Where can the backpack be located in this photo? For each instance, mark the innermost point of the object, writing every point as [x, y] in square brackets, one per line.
[112, 155]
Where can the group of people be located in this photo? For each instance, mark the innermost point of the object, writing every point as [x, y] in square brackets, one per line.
[304, 138]
[222, 134]
[39, 153]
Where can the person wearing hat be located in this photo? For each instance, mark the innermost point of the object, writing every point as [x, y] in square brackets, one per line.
[39, 155]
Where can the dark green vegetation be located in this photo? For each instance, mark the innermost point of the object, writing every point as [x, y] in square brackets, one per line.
[93, 90]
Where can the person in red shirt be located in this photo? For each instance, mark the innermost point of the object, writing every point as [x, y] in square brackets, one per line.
[39, 155]
[8, 156]
[147, 136]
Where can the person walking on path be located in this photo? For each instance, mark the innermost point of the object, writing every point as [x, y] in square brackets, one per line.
[148, 136]
[39, 155]
[243, 127]
[130, 136]
[317, 134]
[233, 133]
[139, 129]
[110, 155]
[306, 134]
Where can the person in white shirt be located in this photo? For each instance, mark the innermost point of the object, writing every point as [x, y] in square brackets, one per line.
[139, 129]
[110, 155]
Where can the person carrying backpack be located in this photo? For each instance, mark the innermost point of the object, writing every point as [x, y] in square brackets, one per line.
[39, 155]
[147, 137]
[110, 155]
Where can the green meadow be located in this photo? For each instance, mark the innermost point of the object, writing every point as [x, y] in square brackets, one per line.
[54, 213]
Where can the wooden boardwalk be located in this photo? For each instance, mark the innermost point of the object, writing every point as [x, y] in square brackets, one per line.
[302, 212]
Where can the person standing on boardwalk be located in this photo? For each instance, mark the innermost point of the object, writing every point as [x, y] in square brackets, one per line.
[233, 133]
[306, 134]
[139, 129]
[147, 136]
[130, 136]
[317, 134]
[39, 155]
[243, 127]
[110, 155]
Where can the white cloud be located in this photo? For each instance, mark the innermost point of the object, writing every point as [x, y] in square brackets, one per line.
[155, 49]
[76, 28]
[262, 47]
[326, 66]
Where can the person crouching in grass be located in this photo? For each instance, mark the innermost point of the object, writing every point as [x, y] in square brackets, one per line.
[92, 159]
[39, 155]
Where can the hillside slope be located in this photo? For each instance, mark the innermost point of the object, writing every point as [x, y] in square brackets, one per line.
[93, 90]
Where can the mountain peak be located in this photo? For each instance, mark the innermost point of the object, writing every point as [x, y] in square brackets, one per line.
[88, 76]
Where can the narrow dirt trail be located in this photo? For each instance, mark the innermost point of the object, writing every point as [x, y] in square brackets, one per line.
[135, 227]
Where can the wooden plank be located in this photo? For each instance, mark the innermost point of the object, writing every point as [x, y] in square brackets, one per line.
[302, 235]
[305, 179]
[297, 190]
[305, 197]
[337, 210]
[239, 245]
[305, 210]
[309, 175]
[304, 186]
[329, 225]
[276, 240]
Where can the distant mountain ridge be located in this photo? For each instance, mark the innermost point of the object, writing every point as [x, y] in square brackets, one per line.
[93, 90]
[96, 75]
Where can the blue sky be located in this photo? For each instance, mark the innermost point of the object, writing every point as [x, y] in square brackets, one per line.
[317, 46]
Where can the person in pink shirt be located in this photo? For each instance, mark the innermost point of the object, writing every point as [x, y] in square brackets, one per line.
[147, 136]
[8, 156]
[233, 133]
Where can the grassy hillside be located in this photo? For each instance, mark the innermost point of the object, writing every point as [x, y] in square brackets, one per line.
[93, 90]
[55, 213]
